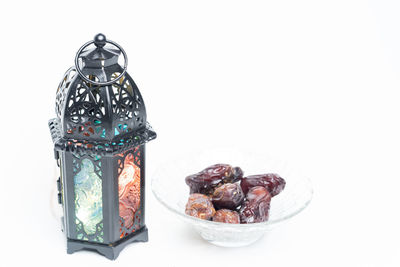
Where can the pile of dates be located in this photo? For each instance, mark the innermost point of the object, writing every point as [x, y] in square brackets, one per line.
[222, 194]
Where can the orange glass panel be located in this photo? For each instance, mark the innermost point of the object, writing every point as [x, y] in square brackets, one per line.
[129, 190]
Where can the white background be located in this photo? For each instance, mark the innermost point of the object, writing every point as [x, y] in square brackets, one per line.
[313, 82]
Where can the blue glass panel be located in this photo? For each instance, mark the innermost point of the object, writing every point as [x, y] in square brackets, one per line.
[88, 197]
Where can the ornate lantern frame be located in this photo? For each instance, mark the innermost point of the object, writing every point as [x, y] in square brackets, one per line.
[99, 139]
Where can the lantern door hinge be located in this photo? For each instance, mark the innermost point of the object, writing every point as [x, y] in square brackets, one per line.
[59, 184]
[59, 196]
[56, 156]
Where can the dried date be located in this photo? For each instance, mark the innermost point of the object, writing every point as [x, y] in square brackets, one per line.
[207, 180]
[271, 181]
[228, 196]
[226, 216]
[200, 206]
[256, 207]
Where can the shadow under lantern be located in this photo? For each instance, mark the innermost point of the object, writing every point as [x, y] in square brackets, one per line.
[99, 140]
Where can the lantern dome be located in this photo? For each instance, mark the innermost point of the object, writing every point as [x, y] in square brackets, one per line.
[98, 105]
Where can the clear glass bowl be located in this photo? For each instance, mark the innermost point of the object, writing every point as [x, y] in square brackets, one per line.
[169, 187]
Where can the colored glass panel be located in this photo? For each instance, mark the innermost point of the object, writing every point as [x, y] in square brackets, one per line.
[88, 197]
[129, 190]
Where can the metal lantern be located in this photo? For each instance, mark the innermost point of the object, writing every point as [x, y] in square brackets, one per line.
[99, 140]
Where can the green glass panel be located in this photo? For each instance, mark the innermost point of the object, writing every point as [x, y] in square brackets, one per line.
[88, 197]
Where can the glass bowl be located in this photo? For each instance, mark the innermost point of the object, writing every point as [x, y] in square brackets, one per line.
[169, 187]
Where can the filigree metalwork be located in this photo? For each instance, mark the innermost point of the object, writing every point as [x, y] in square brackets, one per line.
[101, 118]
[84, 110]
[98, 113]
[82, 235]
[127, 106]
[139, 137]
[62, 90]
[130, 197]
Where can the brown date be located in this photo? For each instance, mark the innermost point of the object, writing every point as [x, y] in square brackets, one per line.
[200, 206]
[228, 196]
[271, 181]
[256, 207]
[226, 216]
[207, 180]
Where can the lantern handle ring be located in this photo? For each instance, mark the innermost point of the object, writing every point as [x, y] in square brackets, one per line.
[100, 41]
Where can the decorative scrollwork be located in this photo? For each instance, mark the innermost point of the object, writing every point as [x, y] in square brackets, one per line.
[129, 184]
[127, 105]
[89, 112]
[63, 89]
[101, 147]
[85, 110]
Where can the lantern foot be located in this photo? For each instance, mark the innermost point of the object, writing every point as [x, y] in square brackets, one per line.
[110, 251]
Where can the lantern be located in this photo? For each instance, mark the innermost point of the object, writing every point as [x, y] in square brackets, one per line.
[99, 140]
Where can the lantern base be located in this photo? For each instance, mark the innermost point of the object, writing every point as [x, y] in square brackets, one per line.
[110, 251]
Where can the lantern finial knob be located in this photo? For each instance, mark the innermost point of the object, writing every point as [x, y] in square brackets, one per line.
[98, 57]
[100, 40]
